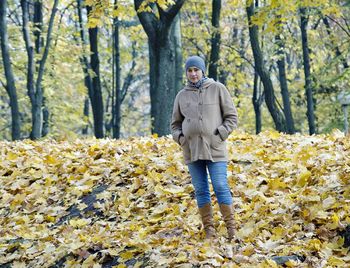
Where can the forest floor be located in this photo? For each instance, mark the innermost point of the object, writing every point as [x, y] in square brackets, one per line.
[130, 203]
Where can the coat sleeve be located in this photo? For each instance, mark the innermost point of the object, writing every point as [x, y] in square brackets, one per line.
[229, 113]
[176, 121]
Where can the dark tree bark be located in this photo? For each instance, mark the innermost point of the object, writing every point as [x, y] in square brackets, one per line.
[175, 36]
[307, 72]
[34, 88]
[96, 100]
[38, 23]
[34, 98]
[270, 98]
[86, 116]
[258, 98]
[116, 108]
[85, 65]
[120, 91]
[287, 110]
[162, 61]
[215, 40]
[10, 81]
[39, 42]
[46, 119]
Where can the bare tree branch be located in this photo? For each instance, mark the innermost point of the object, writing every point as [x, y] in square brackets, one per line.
[130, 76]
[240, 54]
[47, 45]
[341, 26]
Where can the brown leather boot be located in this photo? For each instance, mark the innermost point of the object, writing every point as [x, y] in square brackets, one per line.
[206, 213]
[227, 215]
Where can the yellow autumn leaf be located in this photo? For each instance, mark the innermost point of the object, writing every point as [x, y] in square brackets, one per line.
[248, 250]
[334, 224]
[314, 244]
[78, 223]
[246, 230]
[127, 255]
[50, 160]
[277, 183]
[303, 178]
[174, 189]
[336, 262]
[278, 233]
[121, 265]
[50, 218]
[291, 263]
[138, 264]
[274, 134]
[11, 156]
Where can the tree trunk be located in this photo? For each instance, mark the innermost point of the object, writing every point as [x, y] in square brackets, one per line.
[38, 23]
[86, 116]
[176, 41]
[163, 63]
[38, 41]
[120, 91]
[215, 40]
[35, 91]
[96, 101]
[257, 99]
[46, 115]
[284, 86]
[270, 98]
[116, 114]
[85, 66]
[10, 81]
[307, 72]
[30, 64]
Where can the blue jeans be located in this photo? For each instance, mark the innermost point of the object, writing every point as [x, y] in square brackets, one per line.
[218, 176]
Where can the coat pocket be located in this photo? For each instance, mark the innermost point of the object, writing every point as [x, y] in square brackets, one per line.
[216, 142]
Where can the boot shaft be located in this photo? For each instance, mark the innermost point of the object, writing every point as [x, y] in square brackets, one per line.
[206, 213]
[227, 215]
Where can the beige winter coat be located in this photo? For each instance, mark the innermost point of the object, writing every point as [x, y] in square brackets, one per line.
[202, 120]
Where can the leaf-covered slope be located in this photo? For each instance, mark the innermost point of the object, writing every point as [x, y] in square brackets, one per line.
[104, 203]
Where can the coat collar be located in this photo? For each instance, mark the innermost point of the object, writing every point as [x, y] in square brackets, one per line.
[206, 84]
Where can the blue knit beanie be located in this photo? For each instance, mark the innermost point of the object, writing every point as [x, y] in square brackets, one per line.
[195, 61]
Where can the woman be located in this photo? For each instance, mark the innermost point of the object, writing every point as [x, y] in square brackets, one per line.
[203, 117]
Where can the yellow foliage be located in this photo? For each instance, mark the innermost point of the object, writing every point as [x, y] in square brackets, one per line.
[288, 200]
[303, 178]
[79, 222]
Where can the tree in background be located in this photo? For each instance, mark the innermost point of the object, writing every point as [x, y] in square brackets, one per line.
[10, 80]
[281, 64]
[215, 40]
[34, 85]
[39, 42]
[307, 70]
[96, 93]
[120, 91]
[85, 63]
[159, 23]
[269, 93]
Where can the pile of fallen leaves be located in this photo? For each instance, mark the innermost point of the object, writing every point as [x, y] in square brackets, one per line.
[130, 203]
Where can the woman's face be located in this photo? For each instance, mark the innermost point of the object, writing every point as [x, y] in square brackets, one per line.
[194, 74]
